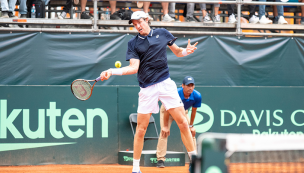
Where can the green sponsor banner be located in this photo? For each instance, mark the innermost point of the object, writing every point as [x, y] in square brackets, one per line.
[48, 125]
[218, 61]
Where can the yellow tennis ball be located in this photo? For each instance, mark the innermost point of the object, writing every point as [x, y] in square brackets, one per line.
[117, 64]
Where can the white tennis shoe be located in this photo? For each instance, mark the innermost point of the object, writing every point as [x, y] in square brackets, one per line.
[282, 20]
[264, 20]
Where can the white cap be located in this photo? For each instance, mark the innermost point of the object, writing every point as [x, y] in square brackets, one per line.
[137, 15]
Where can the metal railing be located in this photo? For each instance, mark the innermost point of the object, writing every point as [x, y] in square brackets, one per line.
[123, 23]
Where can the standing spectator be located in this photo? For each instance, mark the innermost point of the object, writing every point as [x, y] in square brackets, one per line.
[190, 98]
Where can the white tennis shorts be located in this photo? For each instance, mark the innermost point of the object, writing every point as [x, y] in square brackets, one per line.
[165, 91]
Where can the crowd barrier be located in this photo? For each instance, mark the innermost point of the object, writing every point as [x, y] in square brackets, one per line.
[183, 28]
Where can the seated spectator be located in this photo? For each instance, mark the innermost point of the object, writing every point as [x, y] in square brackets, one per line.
[275, 13]
[84, 15]
[30, 4]
[114, 15]
[206, 18]
[8, 8]
[190, 11]
[166, 17]
[252, 17]
[171, 12]
[302, 13]
[279, 18]
[189, 15]
[67, 8]
[22, 9]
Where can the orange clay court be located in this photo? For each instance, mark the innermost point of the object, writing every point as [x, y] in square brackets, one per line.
[115, 168]
[102, 168]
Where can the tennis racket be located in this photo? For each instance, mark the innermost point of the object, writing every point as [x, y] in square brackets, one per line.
[82, 89]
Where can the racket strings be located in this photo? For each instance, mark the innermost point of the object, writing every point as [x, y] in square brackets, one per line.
[81, 89]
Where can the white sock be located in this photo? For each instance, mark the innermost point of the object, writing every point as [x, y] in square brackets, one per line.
[191, 153]
[135, 165]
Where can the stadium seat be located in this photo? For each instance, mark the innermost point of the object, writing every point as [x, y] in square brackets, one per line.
[133, 121]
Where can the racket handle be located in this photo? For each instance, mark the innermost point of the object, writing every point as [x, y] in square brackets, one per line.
[97, 79]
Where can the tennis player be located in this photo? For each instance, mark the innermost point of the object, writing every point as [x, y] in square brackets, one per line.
[148, 58]
[190, 98]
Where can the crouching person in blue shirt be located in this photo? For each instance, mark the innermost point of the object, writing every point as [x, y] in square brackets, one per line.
[190, 98]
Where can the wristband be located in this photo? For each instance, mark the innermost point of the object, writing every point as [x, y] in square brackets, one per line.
[190, 126]
[184, 52]
[116, 71]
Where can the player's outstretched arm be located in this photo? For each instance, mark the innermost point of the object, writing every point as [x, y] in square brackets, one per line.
[128, 70]
[180, 52]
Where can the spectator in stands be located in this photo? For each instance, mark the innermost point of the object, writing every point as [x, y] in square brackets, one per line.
[84, 15]
[252, 17]
[171, 12]
[189, 15]
[8, 8]
[66, 9]
[9, 13]
[302, 13]
[190, 12]
[30, 3]
[279, 18]
[22, 9]
[114, 14]
[166, 17]
[206, 18]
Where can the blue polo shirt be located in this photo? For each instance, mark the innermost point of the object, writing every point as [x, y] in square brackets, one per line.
[194, 100]
[151, 50]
